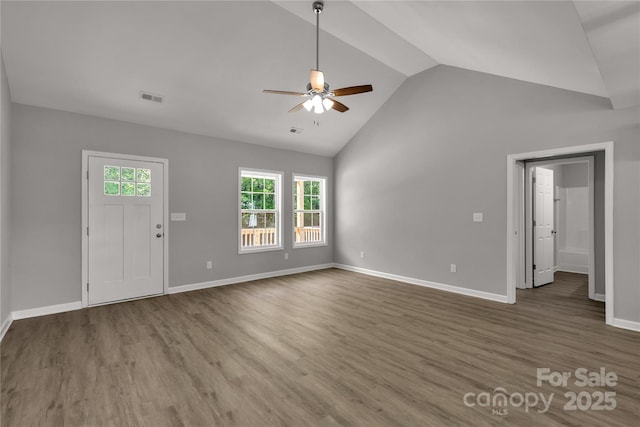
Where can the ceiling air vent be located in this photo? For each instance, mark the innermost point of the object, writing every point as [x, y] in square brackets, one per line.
[151, 97]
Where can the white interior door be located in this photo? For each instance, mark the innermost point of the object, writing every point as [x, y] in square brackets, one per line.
[126, 229]
[543, 227]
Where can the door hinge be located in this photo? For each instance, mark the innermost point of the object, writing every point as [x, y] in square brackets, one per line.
[87, 286]
[534, 269]
[534, 223]
[87, 231]
[87, 173]
[533, 180]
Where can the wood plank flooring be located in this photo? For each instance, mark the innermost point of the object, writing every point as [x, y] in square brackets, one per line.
[324, 348]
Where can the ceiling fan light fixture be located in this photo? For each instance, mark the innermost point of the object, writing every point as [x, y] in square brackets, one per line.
[317, 103]
[316, 78]
[308, 104]
[318, 91]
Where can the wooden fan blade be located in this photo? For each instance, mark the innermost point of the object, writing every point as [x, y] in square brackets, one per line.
[339, 106]
[284, 92]
[297, 107]
[352, 90]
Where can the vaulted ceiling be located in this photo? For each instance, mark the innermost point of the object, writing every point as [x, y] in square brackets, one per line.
[211, 60]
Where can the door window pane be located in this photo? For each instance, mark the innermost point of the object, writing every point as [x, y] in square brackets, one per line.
[127, 181]
[111, 173]
[128, 174]
[143, 175]
[128, 189]
[111, 188]
[144, 189]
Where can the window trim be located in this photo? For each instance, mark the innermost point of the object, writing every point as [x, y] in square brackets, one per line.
[323, 210]
[279, 177]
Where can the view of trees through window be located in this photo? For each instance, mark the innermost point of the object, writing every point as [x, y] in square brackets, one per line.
[259, 209]
[308, 210]
[127, 181]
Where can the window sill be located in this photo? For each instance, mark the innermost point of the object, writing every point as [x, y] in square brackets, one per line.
[258, 250]
[309, 245]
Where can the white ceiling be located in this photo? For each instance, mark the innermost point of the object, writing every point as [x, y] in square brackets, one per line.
[613, 30]
[211, 60]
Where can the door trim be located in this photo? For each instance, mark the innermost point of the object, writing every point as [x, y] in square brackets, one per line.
[85, 215]
[519, 224]
[607, 147]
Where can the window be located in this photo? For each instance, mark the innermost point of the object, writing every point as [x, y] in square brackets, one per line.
[260, 210]
[126, 181]
[308, 211]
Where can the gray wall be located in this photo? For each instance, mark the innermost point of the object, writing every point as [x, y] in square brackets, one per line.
[575, 175]
[5, 214]
[203, 183]
[410, 180]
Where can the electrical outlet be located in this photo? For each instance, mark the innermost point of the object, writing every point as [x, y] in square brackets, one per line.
[286, 255]
[454, 268]
[362, 254]
[209, 265]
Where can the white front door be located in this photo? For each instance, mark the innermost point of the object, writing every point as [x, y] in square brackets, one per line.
[126, 229]
[543, 227]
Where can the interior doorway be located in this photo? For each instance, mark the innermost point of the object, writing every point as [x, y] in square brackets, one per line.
[561, 193]
[517, 268]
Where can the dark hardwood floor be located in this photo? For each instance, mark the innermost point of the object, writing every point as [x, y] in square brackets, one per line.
[323, 348]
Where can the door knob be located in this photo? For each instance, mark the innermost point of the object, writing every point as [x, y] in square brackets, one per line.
[159, 235]
[158, 225]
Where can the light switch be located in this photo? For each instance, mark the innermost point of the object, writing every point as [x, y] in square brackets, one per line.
[178, 216]
[477, 217]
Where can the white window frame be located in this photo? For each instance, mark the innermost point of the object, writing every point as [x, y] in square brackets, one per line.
[323, 209]
[278, 176]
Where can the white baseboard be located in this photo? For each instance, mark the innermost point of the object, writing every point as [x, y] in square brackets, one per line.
[626, 324]
[426, 283]
[6, 325]
[248, 278]
[598, 297]
[49, 309]
[573, 269]
[77, 305]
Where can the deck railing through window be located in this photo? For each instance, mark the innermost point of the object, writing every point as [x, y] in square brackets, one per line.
[258, 237]
[267, 236]
[308, 234]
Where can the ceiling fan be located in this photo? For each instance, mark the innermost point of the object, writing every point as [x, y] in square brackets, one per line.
[319, 96]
